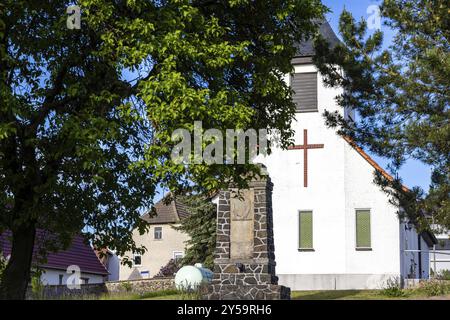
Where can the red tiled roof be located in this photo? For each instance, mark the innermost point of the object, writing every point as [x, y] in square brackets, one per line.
[78, 253]
[171, 212]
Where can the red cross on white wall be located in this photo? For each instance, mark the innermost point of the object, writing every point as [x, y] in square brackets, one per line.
[305, 146]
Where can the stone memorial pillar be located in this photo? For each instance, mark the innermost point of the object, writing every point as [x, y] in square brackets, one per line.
[244, 264]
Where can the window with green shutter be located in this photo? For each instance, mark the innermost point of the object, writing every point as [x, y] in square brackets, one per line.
[305, 230]
[363, 229]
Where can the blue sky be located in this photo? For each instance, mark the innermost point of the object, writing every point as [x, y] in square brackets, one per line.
[413, 173]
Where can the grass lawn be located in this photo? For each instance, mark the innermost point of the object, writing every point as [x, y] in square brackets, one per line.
[168, 297]
[295, 295]
[330, 295]
[156, 295]
[334, 295]
[359, 295]
[427, 291]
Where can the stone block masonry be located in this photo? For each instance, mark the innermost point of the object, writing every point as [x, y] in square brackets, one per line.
[244, 264]
[139, 286]
[62, 291]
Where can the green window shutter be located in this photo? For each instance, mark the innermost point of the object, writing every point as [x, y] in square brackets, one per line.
[363, 229]
[306, 230]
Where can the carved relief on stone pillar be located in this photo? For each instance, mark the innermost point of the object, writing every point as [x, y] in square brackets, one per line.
[242, 223]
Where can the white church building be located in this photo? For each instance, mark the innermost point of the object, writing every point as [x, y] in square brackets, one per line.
[334, 228]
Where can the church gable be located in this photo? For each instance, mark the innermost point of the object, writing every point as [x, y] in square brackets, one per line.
[329, 193]
[372, 162]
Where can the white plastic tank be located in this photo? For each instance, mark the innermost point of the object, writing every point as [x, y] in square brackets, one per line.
[190, 277]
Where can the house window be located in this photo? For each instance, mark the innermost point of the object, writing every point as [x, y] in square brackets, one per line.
[305, 91]
[157, 233]
[178, 255]
[137, 260]
[84, 280]
[305, 230]
[363, 236]
[61, 278]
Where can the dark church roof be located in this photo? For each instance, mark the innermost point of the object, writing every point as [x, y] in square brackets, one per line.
[306, 49]
[171, 212]
[79, 253]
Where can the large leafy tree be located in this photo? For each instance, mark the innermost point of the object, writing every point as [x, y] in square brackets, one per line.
[400, 95]
[66, 139]
[86, 115]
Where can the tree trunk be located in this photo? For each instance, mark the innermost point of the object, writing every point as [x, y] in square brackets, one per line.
[16, 276]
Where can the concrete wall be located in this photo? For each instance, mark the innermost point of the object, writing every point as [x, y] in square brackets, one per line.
[340, 181]
[331, 281]
[158, 253]
[51, 277]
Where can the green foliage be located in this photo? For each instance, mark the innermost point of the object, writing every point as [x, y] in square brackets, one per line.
[37, 287]
[200, 225]
[160, 293]
[86, 116]
[133, 296]
[126, 286]
[169, 269]
[190, 293]
[392, 288]
[222, 64]
[433, 288]
[444, 275]
[2, 265]
[400, 95]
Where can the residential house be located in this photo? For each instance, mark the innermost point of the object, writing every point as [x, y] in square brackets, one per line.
[60, 265]
[162, 242]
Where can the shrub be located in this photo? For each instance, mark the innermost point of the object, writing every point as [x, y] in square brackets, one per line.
[392, 288]
[444, 275]
[127, 286]
[434, 288]
[3, 263]
[37, 287]
[169, 269]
